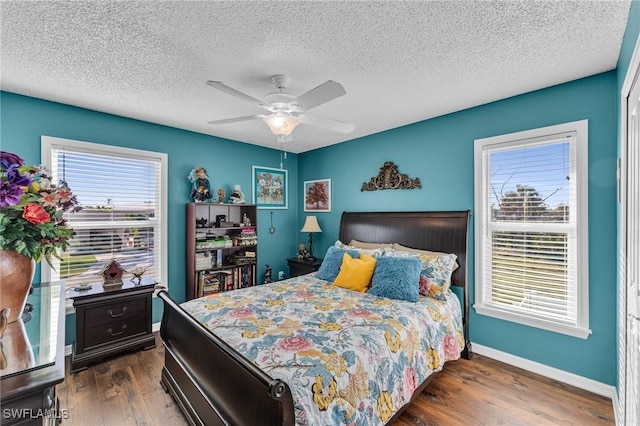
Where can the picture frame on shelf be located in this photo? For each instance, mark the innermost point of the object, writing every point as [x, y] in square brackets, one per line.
[317, 195]
[269, 187]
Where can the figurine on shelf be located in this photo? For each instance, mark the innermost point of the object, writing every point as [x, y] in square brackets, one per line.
[137, 274]
[303, 253]
[200, 191]
[267, 275]
[245, 220]
[112, 273]
[221, 195]
[237, 197]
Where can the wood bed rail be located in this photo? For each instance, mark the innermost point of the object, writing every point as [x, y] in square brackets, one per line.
[206, 375]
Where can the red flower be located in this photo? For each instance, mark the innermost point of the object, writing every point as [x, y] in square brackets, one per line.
[362, 313]
[294, 344]
[64, 195]
[48, 199]
[409, 379]
[451, 349]
[241, 313]
[36, 214]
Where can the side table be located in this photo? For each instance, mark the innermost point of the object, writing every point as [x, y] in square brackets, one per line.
[110, 320]
[301, 267]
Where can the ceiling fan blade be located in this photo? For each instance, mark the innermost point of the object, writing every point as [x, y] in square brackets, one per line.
[326, 92]
[327, 123]
[234, 92]
[236, 119]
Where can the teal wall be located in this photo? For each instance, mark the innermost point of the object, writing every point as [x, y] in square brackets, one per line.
[440, 152]
[24, 119]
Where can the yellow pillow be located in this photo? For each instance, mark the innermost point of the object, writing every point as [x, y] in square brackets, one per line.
[355, 274]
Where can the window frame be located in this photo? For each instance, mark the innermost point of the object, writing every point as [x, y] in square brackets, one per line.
[47, 145]
[482, 205]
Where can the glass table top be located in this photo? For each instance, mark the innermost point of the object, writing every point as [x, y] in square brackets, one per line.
[30, 342]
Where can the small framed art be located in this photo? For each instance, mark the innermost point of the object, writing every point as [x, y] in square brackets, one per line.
[317, 195]
[270, 187]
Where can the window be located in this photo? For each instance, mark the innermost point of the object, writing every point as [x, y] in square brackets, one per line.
[122, 192]
[531, 228]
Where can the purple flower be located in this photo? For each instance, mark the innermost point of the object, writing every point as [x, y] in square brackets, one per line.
[14, 176]
[10, 194]
[7, 159]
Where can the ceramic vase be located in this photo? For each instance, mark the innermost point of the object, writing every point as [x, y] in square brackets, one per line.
[16, 353]
[16, 275]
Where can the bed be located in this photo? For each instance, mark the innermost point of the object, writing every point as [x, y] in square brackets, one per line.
[217, 383]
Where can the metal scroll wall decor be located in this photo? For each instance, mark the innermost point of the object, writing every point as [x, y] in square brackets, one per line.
[389, 178]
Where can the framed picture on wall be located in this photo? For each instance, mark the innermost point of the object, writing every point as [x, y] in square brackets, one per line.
[269, 187]
[317, 195]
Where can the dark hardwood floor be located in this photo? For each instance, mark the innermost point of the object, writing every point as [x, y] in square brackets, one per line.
[125, 390]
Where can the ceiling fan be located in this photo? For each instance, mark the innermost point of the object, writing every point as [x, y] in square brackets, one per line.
[286, 110]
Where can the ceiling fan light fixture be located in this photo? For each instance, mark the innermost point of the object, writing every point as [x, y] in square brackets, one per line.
[281, 124]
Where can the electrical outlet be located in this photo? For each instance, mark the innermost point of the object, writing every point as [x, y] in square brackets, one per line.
[281, 275]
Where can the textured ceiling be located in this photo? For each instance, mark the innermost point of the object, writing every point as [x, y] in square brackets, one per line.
[400, 62]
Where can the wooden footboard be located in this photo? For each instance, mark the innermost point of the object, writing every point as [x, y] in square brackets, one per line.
[211, 382]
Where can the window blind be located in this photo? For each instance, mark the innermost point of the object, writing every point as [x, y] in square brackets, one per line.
[121, 198]
[529, 235]
[531, 238]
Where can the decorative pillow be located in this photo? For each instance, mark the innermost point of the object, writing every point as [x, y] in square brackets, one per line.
[400, 247]
[371, 252]
[435, 276]
[355, 274]
[363, 245]
[396, 278]
[331, 263]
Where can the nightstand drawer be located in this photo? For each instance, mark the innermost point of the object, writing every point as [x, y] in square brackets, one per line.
[116, 330]
[301, 267]
[119, 310]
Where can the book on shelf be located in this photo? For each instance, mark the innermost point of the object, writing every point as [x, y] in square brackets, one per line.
[203, 260]
[208, 259]
[214, 281]
[209, 282]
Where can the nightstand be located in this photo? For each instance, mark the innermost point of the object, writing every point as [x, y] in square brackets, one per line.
[301, 267]
[110, 320]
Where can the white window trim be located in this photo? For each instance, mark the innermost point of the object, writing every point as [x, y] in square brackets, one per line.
[46, 145]
[581, 327]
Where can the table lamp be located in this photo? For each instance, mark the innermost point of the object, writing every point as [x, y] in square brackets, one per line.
[311, 226]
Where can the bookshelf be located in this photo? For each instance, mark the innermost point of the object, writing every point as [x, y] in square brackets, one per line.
[222, 247]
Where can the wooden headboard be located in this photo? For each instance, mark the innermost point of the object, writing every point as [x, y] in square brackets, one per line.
[437, 231]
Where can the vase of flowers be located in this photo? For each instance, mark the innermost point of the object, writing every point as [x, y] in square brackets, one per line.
[32, 226]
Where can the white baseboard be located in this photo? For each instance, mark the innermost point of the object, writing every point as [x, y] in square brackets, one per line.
[616, 409]
[581, 382]
[69, 348]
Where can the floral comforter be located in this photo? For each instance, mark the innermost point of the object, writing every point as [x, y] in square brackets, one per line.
[348, 357]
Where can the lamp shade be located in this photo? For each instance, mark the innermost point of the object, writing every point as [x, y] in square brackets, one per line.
[311, 225]
[281, 124]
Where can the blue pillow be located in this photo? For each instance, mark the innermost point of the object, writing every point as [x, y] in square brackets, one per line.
[397, 278]
[332, 262]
